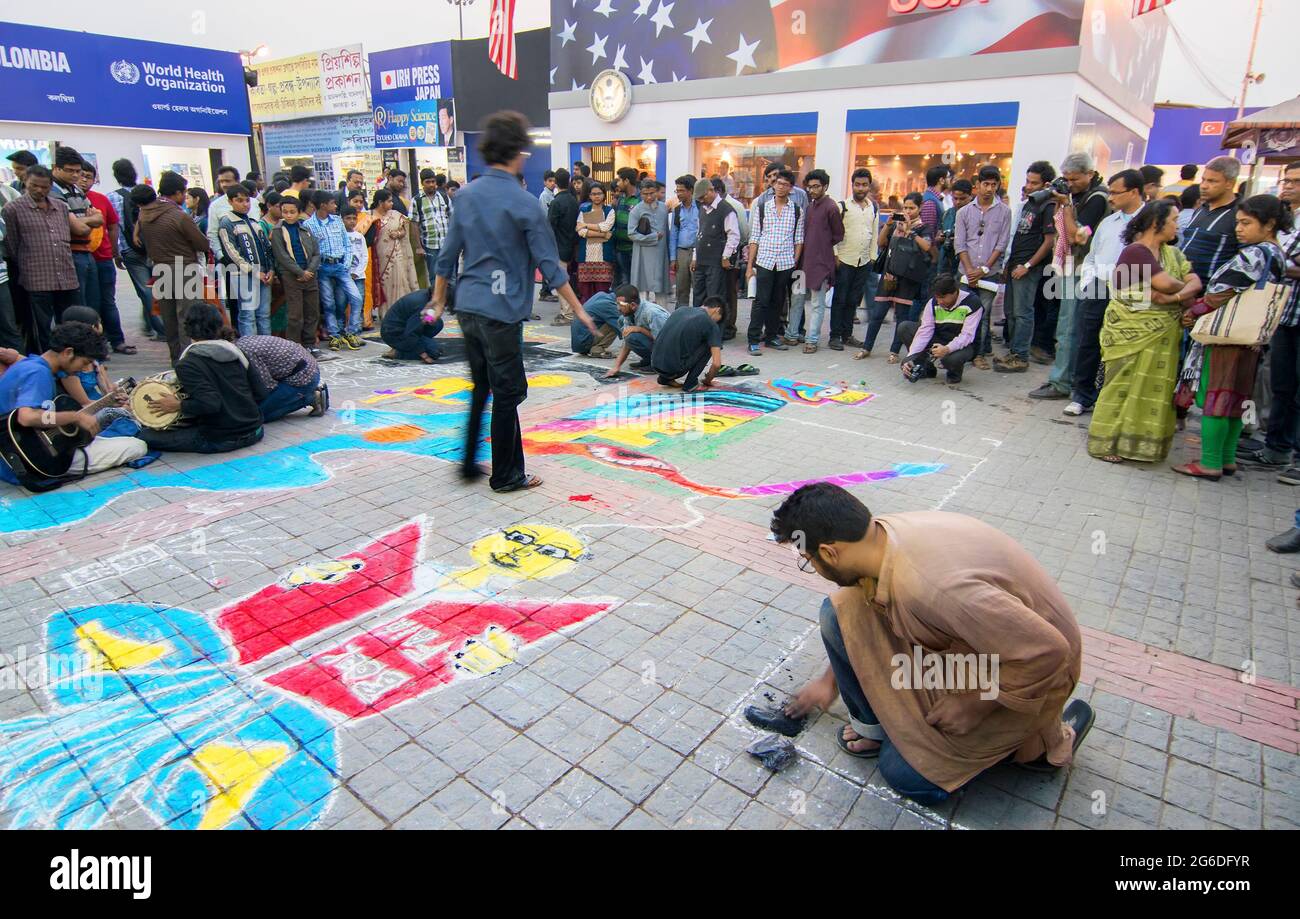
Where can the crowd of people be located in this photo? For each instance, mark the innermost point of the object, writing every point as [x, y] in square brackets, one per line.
[1100, 279]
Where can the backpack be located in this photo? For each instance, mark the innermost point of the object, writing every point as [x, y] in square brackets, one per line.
[130, 212]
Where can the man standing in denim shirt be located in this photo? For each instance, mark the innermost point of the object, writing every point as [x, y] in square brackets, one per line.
[505, 238]
[683, 227]
[338, 292]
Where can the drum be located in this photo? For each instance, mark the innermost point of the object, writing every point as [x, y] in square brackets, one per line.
[151, 388]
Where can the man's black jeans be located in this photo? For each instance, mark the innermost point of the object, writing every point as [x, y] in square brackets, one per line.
[765, 315]
[1284, 410]
[194, 440]
[494, 351]
[850, 287]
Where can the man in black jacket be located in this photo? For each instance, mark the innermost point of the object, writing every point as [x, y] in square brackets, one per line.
[563, 217]
[219, 392]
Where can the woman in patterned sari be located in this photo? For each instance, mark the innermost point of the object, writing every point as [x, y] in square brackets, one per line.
[1140, 338]
[1220, 378]
[396, 263]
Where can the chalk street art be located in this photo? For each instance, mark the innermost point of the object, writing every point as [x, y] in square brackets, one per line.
[608, 433]
[157, 711]
[457, 390]
[818, 393]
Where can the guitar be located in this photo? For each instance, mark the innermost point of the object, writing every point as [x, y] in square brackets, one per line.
[39, 455]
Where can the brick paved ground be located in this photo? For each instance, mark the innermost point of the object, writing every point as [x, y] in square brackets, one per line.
[617, 702]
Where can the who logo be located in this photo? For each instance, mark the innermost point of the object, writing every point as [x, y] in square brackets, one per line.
[124, 72]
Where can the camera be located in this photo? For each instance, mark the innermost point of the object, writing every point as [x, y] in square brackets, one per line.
[1057, 186]
[922, 367]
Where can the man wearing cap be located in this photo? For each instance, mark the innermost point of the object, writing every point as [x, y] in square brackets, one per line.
[715, 244]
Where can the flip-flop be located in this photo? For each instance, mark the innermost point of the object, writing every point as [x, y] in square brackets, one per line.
[531, 481]
[747, 370]
[860, 754]
[726, 370]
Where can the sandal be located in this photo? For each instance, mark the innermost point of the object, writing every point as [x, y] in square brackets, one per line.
[1111, 458]
[747, 370]
[1229, 470]
[893, 358]
[809, 349]
[860, 754]
[124, 349]
[726, 370]
[862, 355]
[1196, 471]
[526, 482]
[1079, 716]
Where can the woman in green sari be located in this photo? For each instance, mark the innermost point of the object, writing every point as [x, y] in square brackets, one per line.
[1140, 339]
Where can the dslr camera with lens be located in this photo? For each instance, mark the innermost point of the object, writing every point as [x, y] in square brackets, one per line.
[1057, 186]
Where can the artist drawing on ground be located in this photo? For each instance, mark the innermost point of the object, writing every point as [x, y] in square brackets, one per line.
[468, 472]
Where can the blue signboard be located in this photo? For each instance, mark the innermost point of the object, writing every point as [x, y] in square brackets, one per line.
[414, 74]
[415, 124]
[62, 77]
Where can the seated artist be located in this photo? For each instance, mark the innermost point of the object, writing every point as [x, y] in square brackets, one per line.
[28, 385]
[687, 342]
[287, 376]
[217, 385]
[410, 326]
[604, 312]
[647, 320]
[946, 332]
[93, 384]
[943, 588]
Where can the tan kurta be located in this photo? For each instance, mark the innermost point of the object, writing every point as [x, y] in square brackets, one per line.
[953, 585]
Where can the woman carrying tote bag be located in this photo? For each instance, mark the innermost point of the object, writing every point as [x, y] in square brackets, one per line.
[906, 257]
[1220, 376]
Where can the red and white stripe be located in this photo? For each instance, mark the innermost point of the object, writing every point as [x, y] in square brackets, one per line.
[1148, 6]
[501, 37]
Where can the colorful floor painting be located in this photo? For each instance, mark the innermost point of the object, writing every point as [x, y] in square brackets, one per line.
[819, 393]
[457, 390]
[155, 708]
[609, 433]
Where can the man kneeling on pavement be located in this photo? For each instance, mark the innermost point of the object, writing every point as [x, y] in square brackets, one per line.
[946, 332]
[940, 588]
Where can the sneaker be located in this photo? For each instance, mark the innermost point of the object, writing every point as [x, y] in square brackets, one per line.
[1264, 458]
[665, 380]
[1011, 364]
[835, 344]
[1290, 476]
[599, 354]
[792, 341]
[1039, 356]
[1075, 409]
[337, 343]
[755, 350]
[853, 342]
[1048, 391]
[981, 362]
[777, 345]
[354, 342]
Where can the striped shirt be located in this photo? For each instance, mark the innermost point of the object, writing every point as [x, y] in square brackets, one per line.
[777, 233]
[1210, 240]
[433, 216]
[1291, 309]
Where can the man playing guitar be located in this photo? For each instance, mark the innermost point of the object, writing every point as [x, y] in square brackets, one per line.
[27, 392]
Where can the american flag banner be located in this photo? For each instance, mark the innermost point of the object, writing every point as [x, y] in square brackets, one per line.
[661, 41]
[1148, 6]
[501, 37]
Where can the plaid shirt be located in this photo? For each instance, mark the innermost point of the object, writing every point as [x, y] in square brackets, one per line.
[331, 237]
[777, 234]
[1291, 309]
[433, 216]
[40, 242]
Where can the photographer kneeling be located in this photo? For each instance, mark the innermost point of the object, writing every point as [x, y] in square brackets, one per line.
[946, 332]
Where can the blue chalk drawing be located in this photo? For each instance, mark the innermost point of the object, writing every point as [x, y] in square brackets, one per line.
[287, 467]
[166, 722]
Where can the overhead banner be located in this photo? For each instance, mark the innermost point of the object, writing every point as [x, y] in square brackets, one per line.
[60, 77]
[319, 136]
[414, 74]
[680, 41]
[329, 82]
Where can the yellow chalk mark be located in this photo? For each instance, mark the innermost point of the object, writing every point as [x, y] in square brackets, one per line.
[235, 774]
[109, 651]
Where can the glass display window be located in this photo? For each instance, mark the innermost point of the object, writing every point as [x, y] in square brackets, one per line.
[606, 159]
[740, 161]
[898, 160]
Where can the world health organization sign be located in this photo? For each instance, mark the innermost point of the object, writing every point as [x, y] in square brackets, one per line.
[61, 77]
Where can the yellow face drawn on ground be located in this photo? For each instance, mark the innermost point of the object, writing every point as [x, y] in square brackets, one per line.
[323, 572]
[456, 390]
[523, 551]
